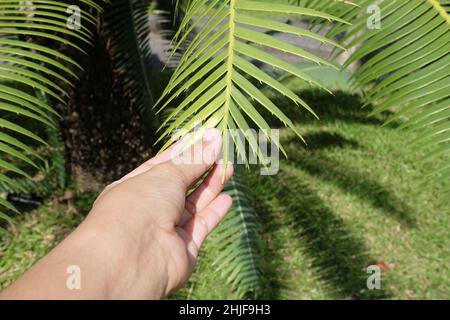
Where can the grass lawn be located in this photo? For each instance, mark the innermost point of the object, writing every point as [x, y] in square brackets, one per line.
[353, 198]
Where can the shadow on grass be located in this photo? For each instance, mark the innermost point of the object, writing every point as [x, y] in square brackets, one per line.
[346, 108]
[336, 252]
[341, 107]
[347, 178]
[337, 255]
[325, 139]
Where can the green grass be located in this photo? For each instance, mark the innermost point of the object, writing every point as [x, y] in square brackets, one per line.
[352, 198]
[35, 233]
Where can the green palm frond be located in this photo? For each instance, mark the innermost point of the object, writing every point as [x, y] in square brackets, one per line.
[28, 68]
[128, 28]
[24, 185]
[216, 69]
[408, 62]
[237, 240]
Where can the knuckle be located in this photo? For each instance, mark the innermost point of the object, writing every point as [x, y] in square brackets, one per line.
[172, 171]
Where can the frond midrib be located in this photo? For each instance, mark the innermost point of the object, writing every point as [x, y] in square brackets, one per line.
[436, 4]
[230, 60]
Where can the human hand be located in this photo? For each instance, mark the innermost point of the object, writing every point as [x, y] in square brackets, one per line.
[142, 236]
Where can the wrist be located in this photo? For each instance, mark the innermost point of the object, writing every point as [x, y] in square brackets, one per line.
[136, 267]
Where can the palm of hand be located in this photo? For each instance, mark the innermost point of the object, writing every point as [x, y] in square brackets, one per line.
[175, 226]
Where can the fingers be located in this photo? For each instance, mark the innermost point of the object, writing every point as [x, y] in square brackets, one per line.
[205, 221]
[207, 192]
[190, 164]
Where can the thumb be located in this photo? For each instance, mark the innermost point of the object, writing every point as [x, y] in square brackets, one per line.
[190, 162]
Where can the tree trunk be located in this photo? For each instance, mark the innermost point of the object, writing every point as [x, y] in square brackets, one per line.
[102, 130]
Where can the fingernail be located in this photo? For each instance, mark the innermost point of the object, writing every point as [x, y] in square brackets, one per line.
[221, 162]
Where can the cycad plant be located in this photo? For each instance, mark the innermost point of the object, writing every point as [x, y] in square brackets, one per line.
[220, 46]
[29, 70]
